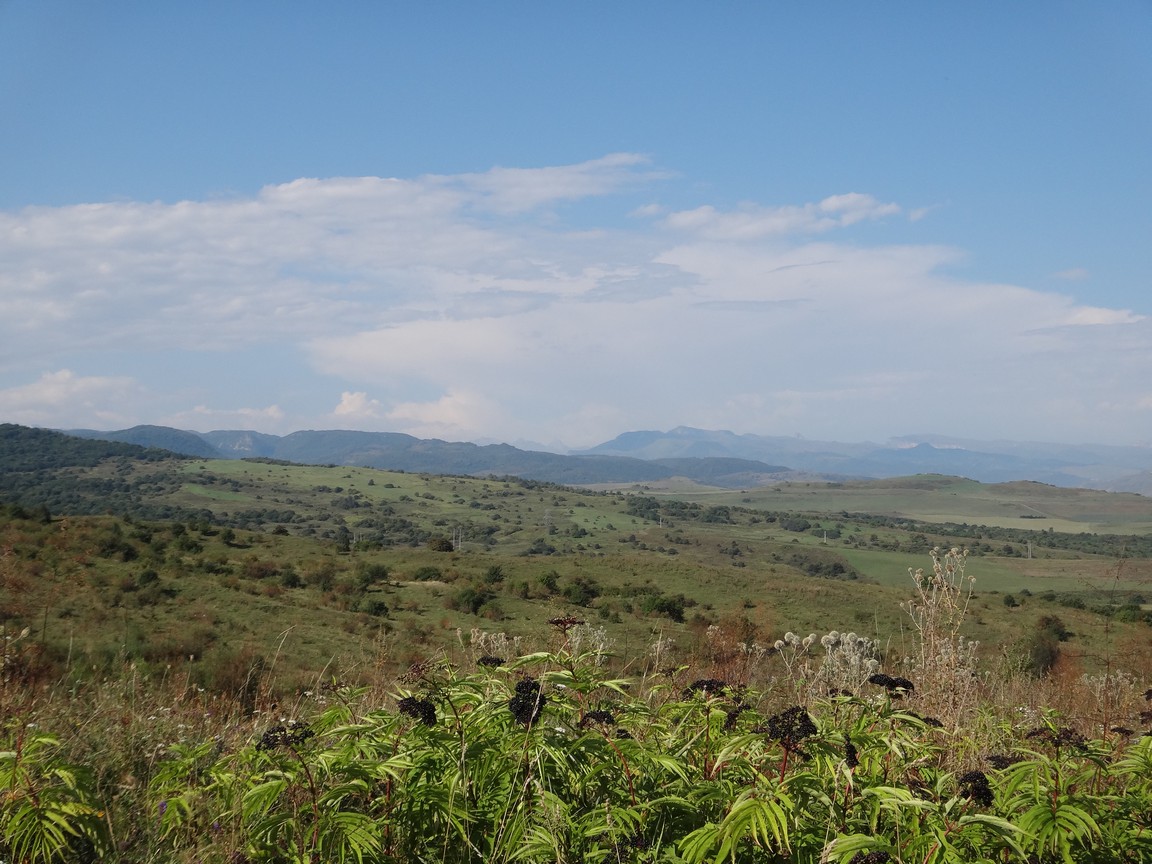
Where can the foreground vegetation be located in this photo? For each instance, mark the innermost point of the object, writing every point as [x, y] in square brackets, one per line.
[558, 756]
[253, 661]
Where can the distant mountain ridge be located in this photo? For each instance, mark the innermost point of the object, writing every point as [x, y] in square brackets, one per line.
[399, 452]
[1096, 466]
[713, 457]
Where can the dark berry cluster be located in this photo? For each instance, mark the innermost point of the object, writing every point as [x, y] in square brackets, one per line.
[1065, 736]
[637, 841]
[928, 721]
[894, 684]
[974, 785]
[490, 661]
[565, 622]
[420, 709]
[416, 673]
[877, 857]
[851, 756]
[705, 685]
[789, 727]
[602, 717]
[528, 702]
[287, 735]
[1000, 761]
[732, 715]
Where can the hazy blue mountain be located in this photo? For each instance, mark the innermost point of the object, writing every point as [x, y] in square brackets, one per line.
[399, 452]
[714, 457]
[1084, 465]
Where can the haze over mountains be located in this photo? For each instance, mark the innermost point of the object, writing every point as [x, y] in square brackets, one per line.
[713, 457]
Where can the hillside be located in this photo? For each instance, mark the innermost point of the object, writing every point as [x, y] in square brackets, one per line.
[223, 560]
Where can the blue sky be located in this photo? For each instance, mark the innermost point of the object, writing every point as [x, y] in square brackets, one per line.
[549, 223]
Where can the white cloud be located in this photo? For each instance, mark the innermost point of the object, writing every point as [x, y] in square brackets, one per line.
[202, 418]
[358, 407]
[515, 190]
[454, 416]
[752, 222]
[435, 306]
[58, 399]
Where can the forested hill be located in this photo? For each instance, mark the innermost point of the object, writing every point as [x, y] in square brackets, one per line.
[24, 449]
[42, 468]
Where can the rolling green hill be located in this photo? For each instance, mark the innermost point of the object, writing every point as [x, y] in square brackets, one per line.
[216, 567]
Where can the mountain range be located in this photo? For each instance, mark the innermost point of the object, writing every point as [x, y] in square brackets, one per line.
[711, 457]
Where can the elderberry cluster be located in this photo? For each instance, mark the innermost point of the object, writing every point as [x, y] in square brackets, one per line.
[287, 735]
[420, 709]
[490, 661]
[527, 704]
[705, 685]
[974, 785]
[564, 623]
[732, 715]
[894, 684]
[635, 842]
[789, 727]
[870, 858]
[851, 756]
[1065, 736]
[1000, 761]
[606, 718]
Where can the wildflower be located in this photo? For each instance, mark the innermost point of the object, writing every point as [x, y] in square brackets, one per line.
[420, 709]
[974, 785]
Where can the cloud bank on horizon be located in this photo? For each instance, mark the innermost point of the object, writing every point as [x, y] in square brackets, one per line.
[484, 306]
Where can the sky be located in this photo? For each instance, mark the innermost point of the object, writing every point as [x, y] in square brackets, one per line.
[551, 223]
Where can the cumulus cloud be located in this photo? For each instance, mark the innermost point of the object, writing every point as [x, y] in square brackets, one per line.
[358, 407]
[202, 417]
[463, 307]
[55, 399]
